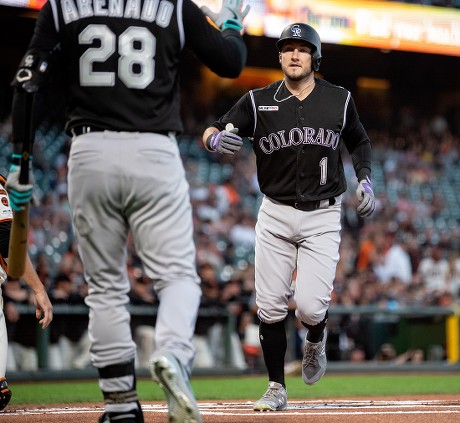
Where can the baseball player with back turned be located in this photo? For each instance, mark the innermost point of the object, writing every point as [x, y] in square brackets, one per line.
[297, 126]
[44, 308]
[120, 63]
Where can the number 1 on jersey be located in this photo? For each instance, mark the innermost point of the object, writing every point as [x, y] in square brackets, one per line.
[323, 170]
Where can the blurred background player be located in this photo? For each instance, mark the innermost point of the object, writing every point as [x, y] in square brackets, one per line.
[120, 66]
[44, 309]
[296, 126]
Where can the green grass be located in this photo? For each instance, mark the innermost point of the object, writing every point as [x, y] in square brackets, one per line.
[247, 388]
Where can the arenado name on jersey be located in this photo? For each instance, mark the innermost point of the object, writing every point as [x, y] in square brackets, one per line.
[297, 136]
[147, 11]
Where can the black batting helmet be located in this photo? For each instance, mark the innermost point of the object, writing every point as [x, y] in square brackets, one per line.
[303, 32]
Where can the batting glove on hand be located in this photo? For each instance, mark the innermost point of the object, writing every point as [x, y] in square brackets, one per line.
[231, 14]
[366, 197]
[225, 142]
[20, 194]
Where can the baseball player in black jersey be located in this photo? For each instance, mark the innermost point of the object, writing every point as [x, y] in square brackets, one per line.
[296, 127]
[119, 62]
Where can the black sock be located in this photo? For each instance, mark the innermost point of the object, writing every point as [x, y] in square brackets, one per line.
[315, 332]
[274, 344]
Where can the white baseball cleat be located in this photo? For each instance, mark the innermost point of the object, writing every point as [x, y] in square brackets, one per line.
[169, 373]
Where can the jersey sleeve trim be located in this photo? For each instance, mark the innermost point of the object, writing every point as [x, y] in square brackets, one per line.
[54, 9]
[254, 110]
[180, 24]
[347, 101]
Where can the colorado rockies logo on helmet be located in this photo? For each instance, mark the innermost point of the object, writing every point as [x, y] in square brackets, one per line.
[296, 31]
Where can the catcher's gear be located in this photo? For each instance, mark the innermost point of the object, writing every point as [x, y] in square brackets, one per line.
[303, 32]
[225, 142]
[366, 197]
[33, 71]
[5, 393]
[231, 14]
[20, 194]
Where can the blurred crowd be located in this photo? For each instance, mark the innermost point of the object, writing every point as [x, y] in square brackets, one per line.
[407, 254]
[438, 3]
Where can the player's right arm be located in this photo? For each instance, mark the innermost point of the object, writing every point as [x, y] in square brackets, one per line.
[225, 142]
[32, 74]
[44, 309]
[222, 136]
[43, 306]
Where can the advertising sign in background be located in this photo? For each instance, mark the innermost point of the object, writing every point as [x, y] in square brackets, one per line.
[386, 25]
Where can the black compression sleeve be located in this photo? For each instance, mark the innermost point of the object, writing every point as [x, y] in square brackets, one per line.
[5, 229]
[19, 117]
[274, 344]
[362, 159]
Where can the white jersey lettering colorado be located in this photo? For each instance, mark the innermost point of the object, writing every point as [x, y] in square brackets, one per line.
[298, 155]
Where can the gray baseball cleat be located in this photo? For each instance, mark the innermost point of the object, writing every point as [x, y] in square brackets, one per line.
[172, 377]
[314, 360]
[274, 399]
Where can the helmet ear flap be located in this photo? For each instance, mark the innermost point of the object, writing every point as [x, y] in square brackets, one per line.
[316, 63]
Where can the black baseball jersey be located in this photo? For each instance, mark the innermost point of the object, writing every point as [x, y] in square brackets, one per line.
[120, 58]
[297, 143]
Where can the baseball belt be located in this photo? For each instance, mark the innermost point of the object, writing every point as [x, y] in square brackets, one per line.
[85, 129]
[310, 205]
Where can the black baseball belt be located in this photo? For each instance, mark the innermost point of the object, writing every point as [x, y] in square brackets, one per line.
[86, 129]
[310, 205]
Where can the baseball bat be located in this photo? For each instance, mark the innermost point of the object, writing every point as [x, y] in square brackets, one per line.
[17, 251]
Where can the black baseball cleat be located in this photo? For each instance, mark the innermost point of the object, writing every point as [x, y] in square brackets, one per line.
[5, 393]
[132, 416]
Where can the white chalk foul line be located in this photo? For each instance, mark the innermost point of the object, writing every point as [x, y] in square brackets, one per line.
[331, 408]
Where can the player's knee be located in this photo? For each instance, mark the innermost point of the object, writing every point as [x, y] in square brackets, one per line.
[271, 316]
[311, 314]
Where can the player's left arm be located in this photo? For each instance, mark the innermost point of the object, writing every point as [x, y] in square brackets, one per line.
[360, 148]
[224, 52]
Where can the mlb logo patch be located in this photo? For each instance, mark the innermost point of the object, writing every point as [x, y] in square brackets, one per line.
[268, 108]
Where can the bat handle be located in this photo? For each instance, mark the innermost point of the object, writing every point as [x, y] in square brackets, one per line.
[24, 172]
[28, 142]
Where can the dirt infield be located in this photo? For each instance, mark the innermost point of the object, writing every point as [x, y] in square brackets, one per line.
[420, 409]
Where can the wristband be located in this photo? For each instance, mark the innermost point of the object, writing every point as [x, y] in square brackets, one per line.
[208, 143]
[233, 24]
[16, 159]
